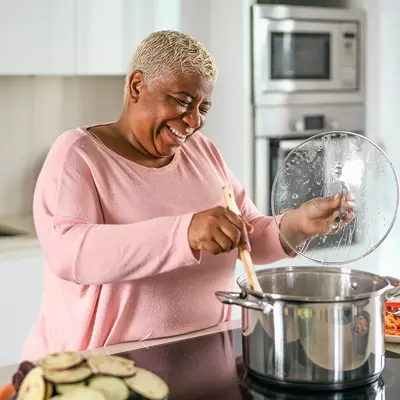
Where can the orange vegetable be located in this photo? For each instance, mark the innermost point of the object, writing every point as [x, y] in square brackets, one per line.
[392, 322]
[7, 392]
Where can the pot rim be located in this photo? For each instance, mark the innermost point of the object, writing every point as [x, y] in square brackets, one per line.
[242, 282]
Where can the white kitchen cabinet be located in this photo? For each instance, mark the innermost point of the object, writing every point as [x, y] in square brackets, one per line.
[21, 288]
[78, 37]
[37, 37]
[109, 31]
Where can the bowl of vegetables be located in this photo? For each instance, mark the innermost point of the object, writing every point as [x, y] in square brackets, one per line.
[71, 376]
[392, 321]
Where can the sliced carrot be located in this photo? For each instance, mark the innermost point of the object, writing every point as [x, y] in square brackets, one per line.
[7, 392]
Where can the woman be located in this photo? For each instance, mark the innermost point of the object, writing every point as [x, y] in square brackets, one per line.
[131, 218]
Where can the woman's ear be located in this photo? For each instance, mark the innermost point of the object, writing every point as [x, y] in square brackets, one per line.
[135, 85]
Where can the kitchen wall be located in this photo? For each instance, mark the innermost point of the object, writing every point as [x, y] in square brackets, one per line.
[33, 112]
[384, 86]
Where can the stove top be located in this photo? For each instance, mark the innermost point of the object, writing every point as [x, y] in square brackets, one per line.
[211, 367]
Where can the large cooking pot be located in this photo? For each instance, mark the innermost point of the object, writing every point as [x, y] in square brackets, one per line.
[322, 327]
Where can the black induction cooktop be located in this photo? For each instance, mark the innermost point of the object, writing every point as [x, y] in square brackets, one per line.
[210, 367]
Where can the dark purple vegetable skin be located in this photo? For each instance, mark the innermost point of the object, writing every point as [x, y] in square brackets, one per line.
[19, 376]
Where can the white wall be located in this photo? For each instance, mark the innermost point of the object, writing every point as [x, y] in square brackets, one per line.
[384, 80]
[228, 40]
[33, 112]
[231, 119]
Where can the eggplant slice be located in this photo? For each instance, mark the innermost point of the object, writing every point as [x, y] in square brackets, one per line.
[112, 388]
[71, 375]
[148, 385]
[33, 386]
[64, 388]
[82, 393]
[63, 360]
[112, 365]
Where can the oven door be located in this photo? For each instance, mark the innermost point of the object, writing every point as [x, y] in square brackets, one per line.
[297, 56]
[269, 156]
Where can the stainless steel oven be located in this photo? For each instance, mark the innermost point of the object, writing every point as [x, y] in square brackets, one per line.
[271, 153]
[281, 129]
[307, 54]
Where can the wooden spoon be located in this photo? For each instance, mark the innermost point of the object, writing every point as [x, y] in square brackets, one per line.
[243, 254]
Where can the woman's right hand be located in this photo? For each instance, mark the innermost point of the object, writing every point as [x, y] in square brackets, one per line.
[218, 230]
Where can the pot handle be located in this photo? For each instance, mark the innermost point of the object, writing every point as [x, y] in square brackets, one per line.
[239, 299]
[395, 290]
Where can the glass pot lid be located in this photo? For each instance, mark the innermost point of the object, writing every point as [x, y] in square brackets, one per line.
[334, 163]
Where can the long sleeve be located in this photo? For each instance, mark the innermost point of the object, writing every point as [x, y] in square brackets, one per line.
[77, 244]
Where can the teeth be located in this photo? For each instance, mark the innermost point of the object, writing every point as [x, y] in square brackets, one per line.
[176, 133]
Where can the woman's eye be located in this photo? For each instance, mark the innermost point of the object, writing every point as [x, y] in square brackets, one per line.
[203, 111]
[182, 102]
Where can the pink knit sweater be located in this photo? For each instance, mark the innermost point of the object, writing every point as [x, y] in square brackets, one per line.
[115, 237]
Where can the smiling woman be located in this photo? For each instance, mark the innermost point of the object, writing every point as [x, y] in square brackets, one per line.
[130, 214]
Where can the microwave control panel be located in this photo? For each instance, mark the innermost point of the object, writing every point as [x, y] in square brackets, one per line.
[348, 55]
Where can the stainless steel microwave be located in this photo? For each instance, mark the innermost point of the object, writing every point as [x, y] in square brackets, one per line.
[307, 54]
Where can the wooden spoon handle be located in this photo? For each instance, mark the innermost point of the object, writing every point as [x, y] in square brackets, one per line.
[243, 254]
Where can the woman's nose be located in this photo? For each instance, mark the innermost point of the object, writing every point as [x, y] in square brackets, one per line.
[193, 119]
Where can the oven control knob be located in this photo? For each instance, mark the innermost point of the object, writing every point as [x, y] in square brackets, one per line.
[334, 125]
[299, 126]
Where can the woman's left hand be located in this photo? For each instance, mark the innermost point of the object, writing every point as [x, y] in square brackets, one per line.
[314, 218]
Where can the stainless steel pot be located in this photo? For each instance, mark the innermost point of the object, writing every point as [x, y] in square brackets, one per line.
[314, 327]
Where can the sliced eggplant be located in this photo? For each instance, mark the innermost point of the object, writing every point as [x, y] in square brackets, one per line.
[63, 360]
[64, 388]
[148, 385]
[71, 375]
[33, 387]
[112, 388]
[82, 393]
[112, 365]
[49, 390]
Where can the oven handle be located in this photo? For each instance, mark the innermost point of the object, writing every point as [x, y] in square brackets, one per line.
[261, 189]
[289, 145]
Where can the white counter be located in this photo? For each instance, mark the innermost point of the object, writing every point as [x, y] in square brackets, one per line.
[25, 244]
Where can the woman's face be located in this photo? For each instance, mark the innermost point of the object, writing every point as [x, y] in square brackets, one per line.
[162, 117]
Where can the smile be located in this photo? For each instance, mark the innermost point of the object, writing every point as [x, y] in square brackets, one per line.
[176, 133]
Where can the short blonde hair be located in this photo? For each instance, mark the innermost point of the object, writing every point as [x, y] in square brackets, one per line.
[169, 52]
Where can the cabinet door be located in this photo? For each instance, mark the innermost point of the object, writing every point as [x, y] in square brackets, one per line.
[108, 32]
[99, 37]
[37, 37]
[21, 290]
[142, 17]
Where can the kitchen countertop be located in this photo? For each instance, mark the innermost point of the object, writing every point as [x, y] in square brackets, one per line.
[6, 372]
[24, 243]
